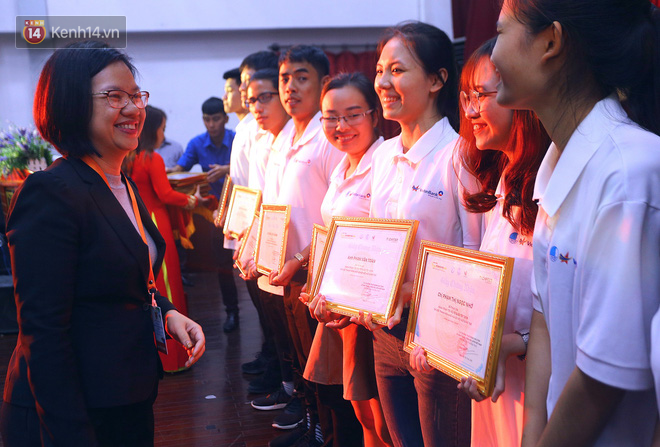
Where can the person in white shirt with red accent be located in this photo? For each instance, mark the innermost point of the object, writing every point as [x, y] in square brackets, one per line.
[417, 176]
[590, 69]
[503, 148]
[342, 352]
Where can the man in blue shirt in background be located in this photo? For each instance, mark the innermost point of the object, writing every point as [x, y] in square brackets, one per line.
[212, 150]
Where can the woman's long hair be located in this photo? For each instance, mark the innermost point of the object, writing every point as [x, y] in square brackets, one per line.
[528, 142]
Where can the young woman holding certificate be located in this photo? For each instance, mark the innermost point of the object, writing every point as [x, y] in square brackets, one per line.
[590, 69]
[503, 149]
[417, 176]
[350, 109]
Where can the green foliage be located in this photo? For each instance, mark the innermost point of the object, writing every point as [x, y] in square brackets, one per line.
[19, 145]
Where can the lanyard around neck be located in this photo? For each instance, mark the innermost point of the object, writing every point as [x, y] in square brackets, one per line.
[151, 285]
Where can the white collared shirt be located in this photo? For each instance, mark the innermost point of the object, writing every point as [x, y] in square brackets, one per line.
[597, 263]
[350, 196]
[423, 184]
[247, 133]
[303, 176]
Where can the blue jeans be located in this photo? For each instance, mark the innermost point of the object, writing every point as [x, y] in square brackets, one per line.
[421, 408]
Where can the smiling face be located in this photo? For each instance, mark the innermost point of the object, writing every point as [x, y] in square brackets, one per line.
[232, 97]
[300, 89]
[115, 132]
[270, 116]
[516, 57]
[492, 124]
[350, 139]
[405, 90]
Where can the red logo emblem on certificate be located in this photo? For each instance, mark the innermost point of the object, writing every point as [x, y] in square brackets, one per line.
[34, 31]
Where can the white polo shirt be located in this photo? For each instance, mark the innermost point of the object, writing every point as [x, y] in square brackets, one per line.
[500, 423]
[304, 170]
[259, 154]
[271, 186]
[349, 196]
[597, 263]
[247, 132]
[423, 184]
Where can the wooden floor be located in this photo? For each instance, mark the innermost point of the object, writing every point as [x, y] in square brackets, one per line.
[207, 405]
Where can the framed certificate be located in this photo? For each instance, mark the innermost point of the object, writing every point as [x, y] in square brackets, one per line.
[458, 309]
[243, 205]
[227, 186]
[319, 235]
[271, 238]
[363, 265]
[248, 244]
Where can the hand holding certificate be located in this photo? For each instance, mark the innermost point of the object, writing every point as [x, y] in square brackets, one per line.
[271, 238]
[363, 265]
[458, 309]
[243, 205]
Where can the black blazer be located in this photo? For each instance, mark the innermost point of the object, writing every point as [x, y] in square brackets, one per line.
[80, 273]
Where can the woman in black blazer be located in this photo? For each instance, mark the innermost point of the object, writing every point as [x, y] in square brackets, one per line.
[85, 368]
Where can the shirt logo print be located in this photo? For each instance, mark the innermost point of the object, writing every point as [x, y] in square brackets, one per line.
[563, 258]
[305, 162]
[515, 238]
[428, 192]
[358, 195]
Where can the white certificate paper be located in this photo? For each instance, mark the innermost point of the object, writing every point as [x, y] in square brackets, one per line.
[361, 266]
[243, 205]
[456, 310]
[271, 240]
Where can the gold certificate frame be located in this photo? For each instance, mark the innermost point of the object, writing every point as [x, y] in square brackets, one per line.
[227, 186]
[272, 236]
[363, 265]
[243, 205]
[319, 236]
[458, 308]
[248, 244]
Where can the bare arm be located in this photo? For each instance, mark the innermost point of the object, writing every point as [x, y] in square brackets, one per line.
[537, 377]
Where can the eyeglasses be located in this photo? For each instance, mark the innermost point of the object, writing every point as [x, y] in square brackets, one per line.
[351, 120]
[118, 99]
[263, 98]
[473, 99]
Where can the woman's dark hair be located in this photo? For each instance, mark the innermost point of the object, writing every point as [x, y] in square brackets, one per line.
[360, 82]
[306, 53]
[63, 102]
[528, 143]
[266, 74]
[613, 42]
[434, 51]
[153, 120]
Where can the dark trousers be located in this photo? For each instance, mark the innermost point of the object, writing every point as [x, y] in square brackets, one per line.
[268, 349]
[275, 318]
[421, 408]
[225, 264]
[123, 426]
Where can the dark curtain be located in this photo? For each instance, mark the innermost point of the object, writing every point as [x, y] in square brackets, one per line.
[364, 62]
[475, 20]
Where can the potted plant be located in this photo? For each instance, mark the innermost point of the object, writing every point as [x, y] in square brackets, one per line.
[22, 151]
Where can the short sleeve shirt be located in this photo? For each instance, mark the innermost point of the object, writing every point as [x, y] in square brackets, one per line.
[423, 184]
[596, 263]
[202, 150]
[350, 196]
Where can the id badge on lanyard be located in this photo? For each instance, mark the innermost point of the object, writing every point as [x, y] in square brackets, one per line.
[156, 313]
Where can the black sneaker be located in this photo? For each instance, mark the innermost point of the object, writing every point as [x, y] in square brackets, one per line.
[289, 438]
[273, 401]
[308, 439]
[269, 382]
[293, 414]
[256, 366]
